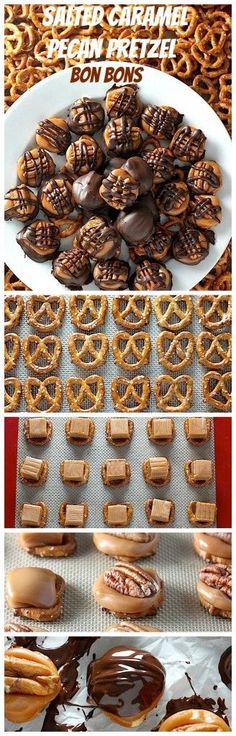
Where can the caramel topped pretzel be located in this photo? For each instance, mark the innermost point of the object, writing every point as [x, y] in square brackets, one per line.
[42, 354]
[214, 351]
[173, 394]
[45, 313]
[83, 391]
[88, 312]
[124, 308]
[13, 310]
[217, 390]
[88, 351]
[173, 312]
[38, 393]
[130, 395]
[214, 312]
[11, 351]
[175, 352]
[136, 346]
[12, 394]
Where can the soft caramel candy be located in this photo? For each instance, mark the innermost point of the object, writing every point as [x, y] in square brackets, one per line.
[119, 428]
[31, 469]
[73, 470]
[158, 468]
[31, 586]
[37, 428]
[117, 514]
[197, 428]
[161, 429]
[160, 510]
[79, 428]
[201, 470]
[75, 515]
[40, 539]
[31, 514]
[205, 512]
[115, 470]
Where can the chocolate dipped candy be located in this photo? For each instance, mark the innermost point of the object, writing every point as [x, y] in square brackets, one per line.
[84, 155]
[152, 276]
[113, 163]
[160, 121]
[123, 100]
[34, 165]
[126, 683]
[194, 720]
[141, 172]
[173, 198]
[127, 590]
[188, 144]
[31, 682]
[205, 211]
[225, 667]
[126, 546]
[213, 547]
[20, 204]
[190, 246]
[119, 189]
[40, 598]
[111, 275]
[214, 588]
[122, 136]
[48, 544]
[72, 268]
[53, 134]
[161, 162]
[55, 197]
[135, 225]
[157, 247]
[204, 177]
[85, 191]
[85, 116]
[98, 239]
[40, 240]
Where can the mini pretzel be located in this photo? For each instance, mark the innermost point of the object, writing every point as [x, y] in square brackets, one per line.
[11, 351]
[179, 348]
[94, 346]
[132, 348]
[38, 393]
[88, 312]
[85, 394]
[224, 281]
[173, 312]
[12, 394]
[68, 226]
[12, 283]
[173, 394]
[45, 313]
[217, 390]
[211, 346]
[13, 310]
[125, 307]
[37, 349]
[211, 311]
[130, 395]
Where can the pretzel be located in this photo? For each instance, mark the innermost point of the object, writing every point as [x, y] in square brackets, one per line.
[173, 312]
[224, 281]
[130, 395]
[45, 313]
[12, 283]
[224, 110]
[205, 87]
[85, 394]
[136, 346]
[36, 350]
[92, 352]
[131, 312]
[13, 310]
[225, 87]
[217, 390]
[39, 393]
[211, 346]
[168, 391]
[68, 225]
[187, 31]
[214, 312]
[11, 351]
[12, 394]
[183, 66]
[13, 39]
[175, 352]
[88, 312]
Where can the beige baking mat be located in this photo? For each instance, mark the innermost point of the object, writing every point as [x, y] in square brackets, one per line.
[94, 493]
[175, 561]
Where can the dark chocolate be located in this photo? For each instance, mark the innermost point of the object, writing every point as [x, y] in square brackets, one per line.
[135, 225]
[72, 268]
[85, 116]
[111, 275]
[140, 171]
[225, 667]
[85, 191]
[40, 240]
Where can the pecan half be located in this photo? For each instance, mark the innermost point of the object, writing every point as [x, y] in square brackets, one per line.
[131, 580]
[224, 536]
[28, 673]
[218, 576]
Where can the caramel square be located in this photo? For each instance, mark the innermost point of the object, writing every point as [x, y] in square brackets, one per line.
[31, 514]
[115, 470]
[158, 468]
[74, 515]
[31, 469]
[205, 512]
[160, 510]
[79, 428]
[197, 428]
[73, 470]
[162, 429]
[117, 514]
[119, 429]
[201, 470]
[37, 428]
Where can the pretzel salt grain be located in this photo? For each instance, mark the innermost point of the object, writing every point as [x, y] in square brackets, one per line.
[88, 351]
[88, 312]
[37, 393]
[12, 394]
[124, 308]
[42, 354]
[173, 394]
[45, 313]
[136, 346]
[13, 310]
[11, 351]
[175, 352]
[217, 390]
[130, 395]
[85, 394]
[173, 312]
[214, 351]
[214, 312]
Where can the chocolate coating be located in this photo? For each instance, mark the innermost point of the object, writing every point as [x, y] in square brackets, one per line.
[85, 116]
[121, 135]
[157, 247]
[98, 239]
[161, 161]
[55, 197]
[188, 144]
[113, 163]
[205, 210]
[85, 191]
[160, 121]
[72, 268]
[136, 225]
[190, 246]
[111, 275]
[141, 172]
[123, 100]
[53, 134]
[119, 189]
[84, 155]
[173, 198]
[40, 240]
[225, 667]
[20, 204]
[152, 276]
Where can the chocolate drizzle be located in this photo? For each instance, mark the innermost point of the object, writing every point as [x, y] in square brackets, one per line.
[161, 162]
[35, 168]
[57, 193]
[125, 101]
[203, 208]
[85, 116]
[188, 143]
[85, 154]
[161, 121]
[57, 136]
[121, 135]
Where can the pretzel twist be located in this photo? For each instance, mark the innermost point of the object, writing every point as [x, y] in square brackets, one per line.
[217, 390]
[13, 310]
[11, 351]
[132, 348]
[179, 348]
[173, 312]
[138, 307]
[93, 307]
[36, 349]
[88, 350]
[169, 390]
[12, 394]
[135, 390]
[81, 391]
[211, 311]
[45, 313]
[214, 351]
[48, 391]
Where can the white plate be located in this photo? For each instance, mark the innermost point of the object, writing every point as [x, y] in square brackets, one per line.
[54, 95]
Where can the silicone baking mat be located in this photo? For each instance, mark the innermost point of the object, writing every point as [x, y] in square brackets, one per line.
[175, 561]
[109, 370]
[94, 493]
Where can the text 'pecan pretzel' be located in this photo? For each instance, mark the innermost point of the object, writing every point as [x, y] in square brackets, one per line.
[214, 351]
[127, 348]
[214, 312]
[13, 310]
[173, 394]
[130, 395]
[88, 351]
[175, 352]
[12, 392]
[173, 312]
[11, 351]
[88, 312]
[85, 394]
[45, 313]
[43, 396]
[42, 355]
[131, 312]
[217, 390]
